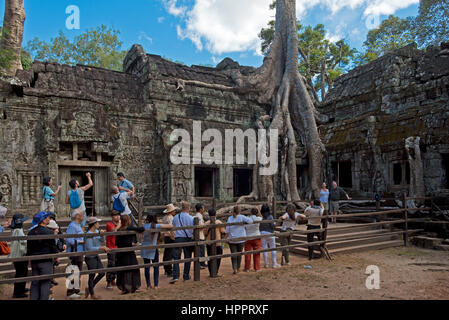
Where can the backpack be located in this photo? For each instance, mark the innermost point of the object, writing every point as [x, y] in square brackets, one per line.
[75, 201]
[118, 205]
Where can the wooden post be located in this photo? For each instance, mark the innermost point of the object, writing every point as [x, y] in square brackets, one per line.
[140, 212]
[213, 250]
[196, 238]
[377, 205]
[404, 206]
[214, 203]
[274, 205]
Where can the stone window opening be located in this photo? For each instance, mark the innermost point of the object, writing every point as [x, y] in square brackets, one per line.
[401, 173]
[243, 182]
[206, 182]
[342, 173]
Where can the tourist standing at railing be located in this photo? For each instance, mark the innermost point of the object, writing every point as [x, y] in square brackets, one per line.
[218, 236]
[60, 244]
[48, 195]
[268, 242]
[128, 281]
[113, 226]
[75, 196]
[93, 262]
[152, 255]
[289, 221]
[314, 214]
[237, 231]
[18, 250]
[199, 214]
[75, 245]
[183, 219]
[253, 244]
[40, 289]
[169, 237]
[324, 196]
[125, 186]
[335, 195]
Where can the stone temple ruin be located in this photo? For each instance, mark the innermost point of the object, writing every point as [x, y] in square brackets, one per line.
[63, 121]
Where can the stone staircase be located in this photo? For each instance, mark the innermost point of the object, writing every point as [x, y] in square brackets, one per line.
[356, 239]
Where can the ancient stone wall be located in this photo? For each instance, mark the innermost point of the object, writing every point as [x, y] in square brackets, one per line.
[374, 108]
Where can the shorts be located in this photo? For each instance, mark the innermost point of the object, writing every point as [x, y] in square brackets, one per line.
[334, 206]
[325, 205]
[48, 205]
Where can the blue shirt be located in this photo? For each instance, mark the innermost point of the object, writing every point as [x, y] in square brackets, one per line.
[74, 228]
[2, 229]
[94, 243]
[183, 219]
[125, 184]
[237, 231]
[324, 196]
[47, 192]
[149, 239]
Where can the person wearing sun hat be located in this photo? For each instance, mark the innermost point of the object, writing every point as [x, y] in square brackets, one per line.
[40, 289]
[169, 237]
[18, 250]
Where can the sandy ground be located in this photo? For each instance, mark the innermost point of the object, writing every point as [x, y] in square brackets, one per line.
[405, 273]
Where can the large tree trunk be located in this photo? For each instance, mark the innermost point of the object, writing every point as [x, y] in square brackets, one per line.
[278, 83]
[12, 34]
[293, 112]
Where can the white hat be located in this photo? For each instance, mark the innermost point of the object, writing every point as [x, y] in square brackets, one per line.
[53, 225]
[170, 208]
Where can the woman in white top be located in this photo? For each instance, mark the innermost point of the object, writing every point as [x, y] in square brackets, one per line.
[289, 221]
[253, 244]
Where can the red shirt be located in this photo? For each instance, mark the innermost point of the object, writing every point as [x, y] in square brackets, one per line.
[110, 240]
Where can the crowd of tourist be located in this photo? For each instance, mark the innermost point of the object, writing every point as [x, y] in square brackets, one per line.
[259, 227]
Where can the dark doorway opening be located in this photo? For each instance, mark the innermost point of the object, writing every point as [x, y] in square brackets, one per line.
[397, 174]
[205, 182]
[345, 174]
[302, 172]
[89, 195]
[243, 182]
[446, 169]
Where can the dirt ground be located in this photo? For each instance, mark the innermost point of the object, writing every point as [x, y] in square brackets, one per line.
[405, 273]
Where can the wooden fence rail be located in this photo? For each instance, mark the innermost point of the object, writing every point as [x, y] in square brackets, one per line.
[196, 243]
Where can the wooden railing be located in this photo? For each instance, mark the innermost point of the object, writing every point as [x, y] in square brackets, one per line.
[196, 243]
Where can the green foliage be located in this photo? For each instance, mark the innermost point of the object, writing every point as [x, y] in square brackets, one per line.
[315, 52]
[98, 47]
[393, 33]
[431, 26]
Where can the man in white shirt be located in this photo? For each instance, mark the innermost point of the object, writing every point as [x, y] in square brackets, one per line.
[314, 214]
[289, 221]
[123, 197]
[199, 207]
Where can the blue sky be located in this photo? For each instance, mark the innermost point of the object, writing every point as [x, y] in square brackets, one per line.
[205, 31]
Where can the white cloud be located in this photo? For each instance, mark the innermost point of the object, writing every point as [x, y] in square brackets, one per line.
[222, 26]
[173, 9]
[160, 19]
[387, 7]
[143, 35]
